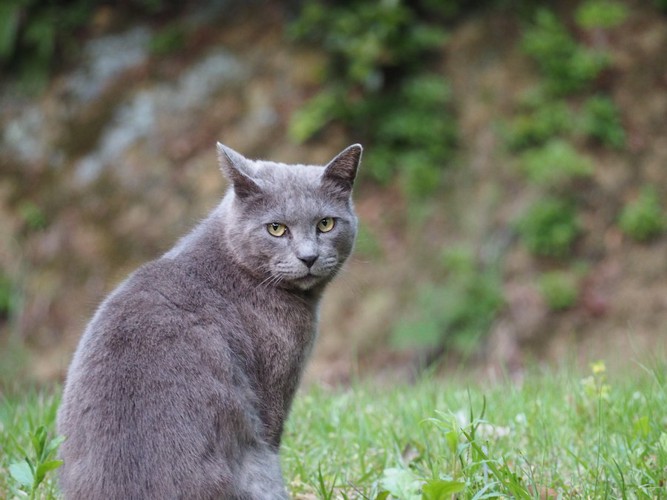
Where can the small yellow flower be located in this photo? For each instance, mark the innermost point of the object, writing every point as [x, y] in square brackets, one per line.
[598, 367]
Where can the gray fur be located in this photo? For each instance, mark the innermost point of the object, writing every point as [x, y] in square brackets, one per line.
[183, 379]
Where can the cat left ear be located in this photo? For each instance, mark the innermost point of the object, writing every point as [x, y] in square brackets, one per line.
[231, 164]
[342, 170]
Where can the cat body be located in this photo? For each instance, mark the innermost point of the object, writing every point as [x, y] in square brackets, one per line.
[183, 379]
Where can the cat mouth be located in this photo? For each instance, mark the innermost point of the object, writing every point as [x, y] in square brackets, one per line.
[307, 280]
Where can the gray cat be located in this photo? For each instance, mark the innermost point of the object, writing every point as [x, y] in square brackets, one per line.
[183, 379]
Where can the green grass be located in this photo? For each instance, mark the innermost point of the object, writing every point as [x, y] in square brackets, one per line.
[555, 435]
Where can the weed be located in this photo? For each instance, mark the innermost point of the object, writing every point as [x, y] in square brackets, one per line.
[549, 227]
[567, 66]
[378, 85]
[601, 121]
[168, 40]
[7, 295]
[457, 312]
[600, 14]
[539, 120]
[560, 434]
[644, 218]
[560, 289]
[34, 218]
[29, 450]
[555, 164]
[31, 471]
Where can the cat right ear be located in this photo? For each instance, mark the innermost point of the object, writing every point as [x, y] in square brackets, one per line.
[231, 164]
[340, 173]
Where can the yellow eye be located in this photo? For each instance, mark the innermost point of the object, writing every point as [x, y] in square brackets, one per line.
[276, 229]
[326, 225]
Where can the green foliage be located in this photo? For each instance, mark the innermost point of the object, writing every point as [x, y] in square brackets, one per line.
[644, 218]
[661, 4]
[378, 86]
[33, 217]
[31, 471]
[316, 113]
[560, 289]
[601, 121]
[459, 311]
[7, 295]
[34, 33]
[555, 435]
[555, 164]
[168, 40]
[539, 120]
[567, 66]
[29, 451]
[600, 14]
[366, 243]
[30, 32]
[414, 134]
[559, 434]
[549, 227]
[365, 37]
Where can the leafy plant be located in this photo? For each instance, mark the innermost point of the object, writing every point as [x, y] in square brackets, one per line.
[644, 218]
[567, 66]
[31, 471]
[600, 14]
[560, 289]
[7, 295]
[364, 38]
[417, 137]
[379, 87]
[549, 227]
[601, 121]
[539, 120]
[555, 164]
[459, 310]
[34, 33]
[167, 40]
[33, 216]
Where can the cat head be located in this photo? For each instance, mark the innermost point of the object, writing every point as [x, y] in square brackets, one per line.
[293, 226]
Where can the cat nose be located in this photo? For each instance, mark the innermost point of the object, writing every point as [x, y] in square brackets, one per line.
[309, 260]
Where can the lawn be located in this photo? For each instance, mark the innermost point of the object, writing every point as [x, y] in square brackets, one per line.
[556, 435]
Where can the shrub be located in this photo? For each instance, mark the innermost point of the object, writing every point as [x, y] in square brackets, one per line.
[601, 121]
[540, 120]
[559, 289]
[549, 228]
[600, 14]
[555, 164]
[456, 313]
[644, 218]
[7, 295]
[168, 40]
[378, 86]
[567, 66]
[34, 32]
[363, 38]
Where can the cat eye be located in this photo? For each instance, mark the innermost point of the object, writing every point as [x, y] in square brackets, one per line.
[276, 229]
[326, 225]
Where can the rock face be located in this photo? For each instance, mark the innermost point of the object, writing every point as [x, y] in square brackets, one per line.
[116, 159]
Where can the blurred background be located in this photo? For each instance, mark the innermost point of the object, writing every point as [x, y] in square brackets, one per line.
[511, 196]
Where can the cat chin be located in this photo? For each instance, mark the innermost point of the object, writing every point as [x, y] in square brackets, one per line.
[307, 282]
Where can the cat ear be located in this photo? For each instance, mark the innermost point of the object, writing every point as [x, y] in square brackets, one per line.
[342, 170]
[231, 164]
